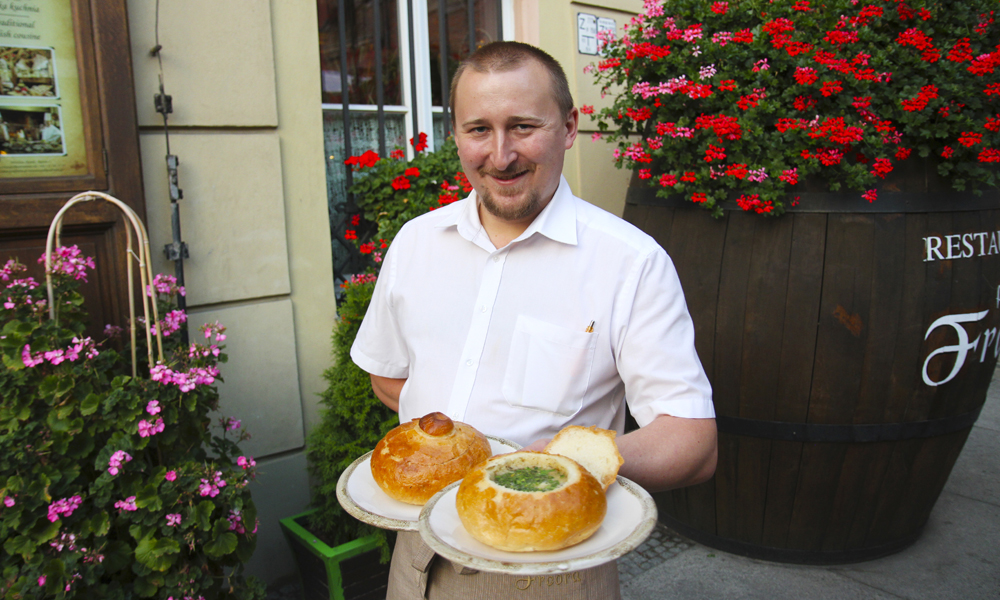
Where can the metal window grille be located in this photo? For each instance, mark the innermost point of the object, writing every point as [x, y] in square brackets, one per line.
[347, 259]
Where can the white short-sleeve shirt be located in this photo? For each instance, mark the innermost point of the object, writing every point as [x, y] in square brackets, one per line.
[498, 338]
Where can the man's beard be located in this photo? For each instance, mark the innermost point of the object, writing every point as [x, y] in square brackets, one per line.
[530, 205]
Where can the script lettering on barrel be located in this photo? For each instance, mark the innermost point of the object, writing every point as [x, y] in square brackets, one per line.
[961, 245]
[962, 348]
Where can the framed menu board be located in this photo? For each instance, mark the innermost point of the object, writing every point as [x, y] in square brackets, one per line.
[50, 136]
[68, 125]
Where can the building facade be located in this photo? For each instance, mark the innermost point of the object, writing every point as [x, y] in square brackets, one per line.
[259, 131]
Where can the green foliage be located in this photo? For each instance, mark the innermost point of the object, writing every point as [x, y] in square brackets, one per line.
[389, 206]
[105, 477]
[354, 420]
[841, 91]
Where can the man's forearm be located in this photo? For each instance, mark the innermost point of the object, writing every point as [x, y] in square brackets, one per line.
[387, 390]
[670, 453]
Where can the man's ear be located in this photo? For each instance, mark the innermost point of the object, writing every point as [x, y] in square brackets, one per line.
[572, 127]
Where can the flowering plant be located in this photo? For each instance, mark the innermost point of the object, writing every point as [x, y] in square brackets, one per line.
[388, 192]
[391, 191]
[747, 98]
[114, 486]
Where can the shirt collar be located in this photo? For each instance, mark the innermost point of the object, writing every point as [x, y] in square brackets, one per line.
[557, 221]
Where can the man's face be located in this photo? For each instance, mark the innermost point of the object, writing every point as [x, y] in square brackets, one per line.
[512, 138]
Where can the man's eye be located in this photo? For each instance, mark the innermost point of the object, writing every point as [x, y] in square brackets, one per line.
[523, 127]
[478, 130]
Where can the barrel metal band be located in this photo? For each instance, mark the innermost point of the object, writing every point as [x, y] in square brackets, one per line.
[821, 432]
[841, 202]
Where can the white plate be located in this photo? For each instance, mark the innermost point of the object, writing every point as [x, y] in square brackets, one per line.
[364, 500]
[630, 518]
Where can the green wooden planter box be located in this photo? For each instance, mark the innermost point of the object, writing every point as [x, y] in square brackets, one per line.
[350, 571]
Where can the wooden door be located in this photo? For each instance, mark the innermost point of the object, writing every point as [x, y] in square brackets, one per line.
[72, 69]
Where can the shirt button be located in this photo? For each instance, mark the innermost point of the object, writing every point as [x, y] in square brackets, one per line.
[484, 309]
[468, 363]
[496, 258]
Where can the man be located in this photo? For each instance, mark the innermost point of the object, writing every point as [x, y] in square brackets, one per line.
[523, 309]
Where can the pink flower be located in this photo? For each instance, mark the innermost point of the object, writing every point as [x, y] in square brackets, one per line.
[117, 460]
[147, 429]
[173, 520]
[153, 407]
[28, 360]
[9, 304]
[70, 261]
[64, 507]
[41, 581]
[170, 476]
[128, 504]
[211, 488]
[8, 501]
[166, 285]
[246, 462]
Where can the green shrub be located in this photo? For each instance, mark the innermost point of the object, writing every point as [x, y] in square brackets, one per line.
[388, 192]
[114, 486]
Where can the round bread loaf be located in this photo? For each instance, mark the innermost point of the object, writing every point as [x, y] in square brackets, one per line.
[530, 501]
[416, 459]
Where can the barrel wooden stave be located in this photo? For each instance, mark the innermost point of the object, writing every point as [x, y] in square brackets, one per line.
[838, 340]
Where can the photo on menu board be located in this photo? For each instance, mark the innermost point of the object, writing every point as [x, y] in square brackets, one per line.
[27, 71]
[31, 130]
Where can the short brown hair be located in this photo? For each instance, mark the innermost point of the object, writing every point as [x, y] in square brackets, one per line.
[501, 57]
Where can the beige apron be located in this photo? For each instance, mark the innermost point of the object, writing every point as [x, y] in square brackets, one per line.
[418, 574]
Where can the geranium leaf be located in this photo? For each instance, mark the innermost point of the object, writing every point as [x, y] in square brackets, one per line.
[221, 545]
[144, 587]
[22, 544]
[157, 554]
[47, 532]
[203, 514]
[149, 498]
[90, 404]
[99, 524]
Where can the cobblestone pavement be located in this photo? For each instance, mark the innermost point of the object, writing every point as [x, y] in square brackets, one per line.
[661, 545]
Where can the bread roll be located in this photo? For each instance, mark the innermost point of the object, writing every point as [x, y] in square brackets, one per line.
[416, 459]
[593, 448]
[568, 508]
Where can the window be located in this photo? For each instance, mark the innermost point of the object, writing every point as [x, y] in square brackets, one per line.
[378, 56]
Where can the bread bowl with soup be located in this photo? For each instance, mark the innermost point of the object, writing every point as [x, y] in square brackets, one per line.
[541, 501]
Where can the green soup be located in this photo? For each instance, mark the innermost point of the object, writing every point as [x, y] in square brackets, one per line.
[530, 479]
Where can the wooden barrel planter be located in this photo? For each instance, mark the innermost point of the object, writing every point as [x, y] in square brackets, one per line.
[850, 347]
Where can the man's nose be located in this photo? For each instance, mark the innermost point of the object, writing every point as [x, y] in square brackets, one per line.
[503, 152]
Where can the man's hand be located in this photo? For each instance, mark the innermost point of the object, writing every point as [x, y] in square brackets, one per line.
[537, 445]
[387, 390]
[670, 453]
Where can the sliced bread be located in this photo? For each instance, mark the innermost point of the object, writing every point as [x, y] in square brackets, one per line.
[592, 447]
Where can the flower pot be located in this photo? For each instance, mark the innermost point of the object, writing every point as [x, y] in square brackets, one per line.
[850, 346]
[350, 571]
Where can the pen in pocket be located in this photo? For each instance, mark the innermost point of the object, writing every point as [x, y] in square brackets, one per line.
[590, 328]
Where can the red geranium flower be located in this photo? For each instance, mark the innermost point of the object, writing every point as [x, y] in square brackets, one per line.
[667, 180]
[989, 155]
[882, 167]
[421, 143]
[830, 88]
[969, 139]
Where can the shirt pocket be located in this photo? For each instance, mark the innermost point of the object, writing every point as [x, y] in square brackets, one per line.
[548, 368]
